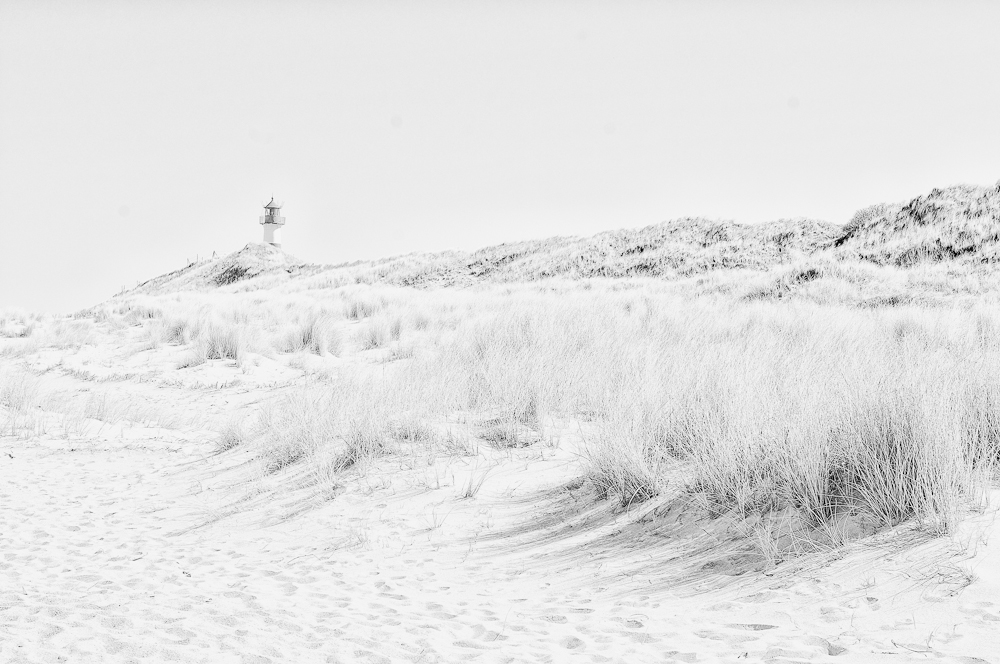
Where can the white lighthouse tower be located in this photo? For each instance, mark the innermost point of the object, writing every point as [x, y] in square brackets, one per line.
[272, 221]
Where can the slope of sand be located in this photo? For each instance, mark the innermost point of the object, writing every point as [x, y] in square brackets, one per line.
[138, 543]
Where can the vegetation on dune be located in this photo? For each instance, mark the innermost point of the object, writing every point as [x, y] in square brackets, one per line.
[850, 418]
[756, 408]
[847, 378]
[317, 333]
[955, 222]
[17, 324]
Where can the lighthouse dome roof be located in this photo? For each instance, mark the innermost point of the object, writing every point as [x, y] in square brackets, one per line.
[272, 205]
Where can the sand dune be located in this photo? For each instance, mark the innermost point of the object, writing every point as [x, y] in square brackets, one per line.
[151, 547]
[252, 460]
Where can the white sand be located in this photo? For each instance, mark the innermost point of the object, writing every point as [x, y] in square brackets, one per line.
[135, 544]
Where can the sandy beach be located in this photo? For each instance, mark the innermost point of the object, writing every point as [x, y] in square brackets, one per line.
[126, 543]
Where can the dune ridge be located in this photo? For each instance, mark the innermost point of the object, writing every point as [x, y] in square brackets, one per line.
[956, 224]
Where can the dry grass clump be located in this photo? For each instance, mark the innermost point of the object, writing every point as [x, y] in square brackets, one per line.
[122, 314]
[357, 307]
[67, 333]
[289, 431]
[26, 409]
[333, 429]
[625, 462]
[230, 325]
[319, 333]
[873, 416]
[225, 327]
[365, 435]
[16, 324]
[517, 421]
[220, 341]
[107, 318]
[43, 332]
[113, 407]
[380, 331]
[419, 320]
[413, 430]
[172, 331]
[21, 400]
[233, 434]
[137, 313]
[829, 413]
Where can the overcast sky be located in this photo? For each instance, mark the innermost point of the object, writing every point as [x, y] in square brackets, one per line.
[137, 135]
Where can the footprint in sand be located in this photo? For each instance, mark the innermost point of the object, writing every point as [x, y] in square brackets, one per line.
[830, 648]
[559, 620]
[572, 643]
[753, 627]
[833, 613]
[642, 637]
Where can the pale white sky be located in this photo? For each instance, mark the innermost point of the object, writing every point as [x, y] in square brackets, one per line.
[135, 135]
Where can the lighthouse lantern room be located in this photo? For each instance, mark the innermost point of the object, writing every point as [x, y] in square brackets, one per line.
[272, 221]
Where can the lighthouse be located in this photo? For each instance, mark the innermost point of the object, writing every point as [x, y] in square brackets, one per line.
[272, 221]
